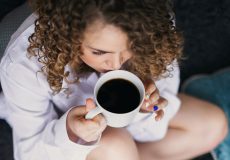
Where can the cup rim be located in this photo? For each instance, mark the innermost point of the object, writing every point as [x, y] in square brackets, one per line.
[96, 88]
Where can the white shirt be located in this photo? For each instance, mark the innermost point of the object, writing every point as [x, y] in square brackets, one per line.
[28, 105]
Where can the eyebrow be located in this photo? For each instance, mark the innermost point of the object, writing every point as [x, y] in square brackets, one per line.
[99, 50]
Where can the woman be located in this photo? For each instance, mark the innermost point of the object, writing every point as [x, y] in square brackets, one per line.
[48, 83]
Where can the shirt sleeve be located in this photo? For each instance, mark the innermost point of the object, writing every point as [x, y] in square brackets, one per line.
[38, 133]
[144, 127]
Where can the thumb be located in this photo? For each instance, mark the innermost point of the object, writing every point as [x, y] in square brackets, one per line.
[90, 104]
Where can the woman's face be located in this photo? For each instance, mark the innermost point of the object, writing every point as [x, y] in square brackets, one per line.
[105, 47]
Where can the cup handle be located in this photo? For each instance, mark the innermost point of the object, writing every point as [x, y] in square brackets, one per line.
[91, 114]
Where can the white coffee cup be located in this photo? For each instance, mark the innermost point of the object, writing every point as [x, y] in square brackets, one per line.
[117, 119]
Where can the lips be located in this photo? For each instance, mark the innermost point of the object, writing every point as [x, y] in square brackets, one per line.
[105, 71]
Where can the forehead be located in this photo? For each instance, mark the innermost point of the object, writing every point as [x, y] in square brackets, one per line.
[105, 35]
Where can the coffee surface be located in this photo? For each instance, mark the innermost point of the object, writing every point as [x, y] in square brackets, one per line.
[118, 96]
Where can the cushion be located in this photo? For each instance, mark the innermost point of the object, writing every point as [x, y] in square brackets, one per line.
[214, 88]
[8, 5]
[10, 23]
[205, 25]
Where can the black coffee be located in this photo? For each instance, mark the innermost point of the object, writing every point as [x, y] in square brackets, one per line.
[118, 96]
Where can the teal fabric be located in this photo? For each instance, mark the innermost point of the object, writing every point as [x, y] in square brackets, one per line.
[214, 88]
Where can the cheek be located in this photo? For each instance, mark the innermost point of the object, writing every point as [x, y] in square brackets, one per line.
[92, 60]
[86, 55]
[86, 58]
[127, 56]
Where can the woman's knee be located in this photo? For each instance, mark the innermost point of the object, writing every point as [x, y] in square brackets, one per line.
[203, 120]
[115, 144]
[213, 127]
[217, 128]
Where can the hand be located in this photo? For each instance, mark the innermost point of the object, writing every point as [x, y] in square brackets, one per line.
[153, 102]
[79, 127]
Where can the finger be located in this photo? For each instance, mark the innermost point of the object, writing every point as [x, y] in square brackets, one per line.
[90, 104]
[86, 127]
[152, 100]
[90, 135]
[93, 136]
[160, 104]
[148, 105]
[100, 119]
[78, 111]
[95, 123]
[94, 127]
[149, 88]
[160, 114]
[155, 96]
[145, 110]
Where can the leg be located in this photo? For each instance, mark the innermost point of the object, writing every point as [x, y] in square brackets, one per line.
[115, 144]
[197, 128]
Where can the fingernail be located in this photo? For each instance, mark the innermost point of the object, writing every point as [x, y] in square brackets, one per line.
[155, 108]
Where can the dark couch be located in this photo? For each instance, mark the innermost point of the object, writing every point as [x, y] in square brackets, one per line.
[206, 28]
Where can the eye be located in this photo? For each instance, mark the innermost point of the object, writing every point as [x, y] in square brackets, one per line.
[98, 53]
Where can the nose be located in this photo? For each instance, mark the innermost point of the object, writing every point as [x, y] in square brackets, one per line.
[116, 62]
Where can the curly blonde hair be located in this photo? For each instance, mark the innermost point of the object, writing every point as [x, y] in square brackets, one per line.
[59, 29]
